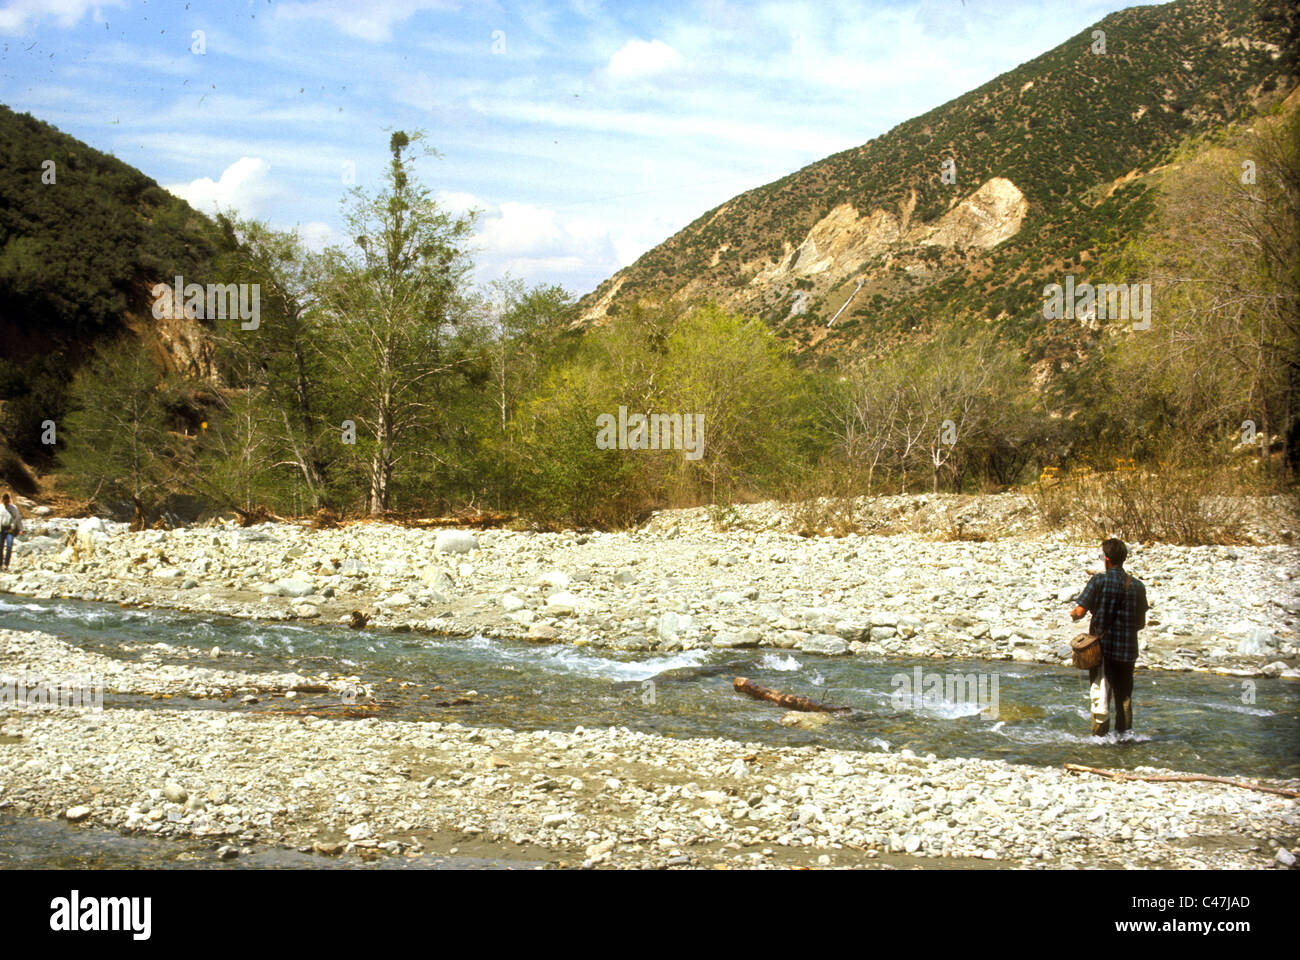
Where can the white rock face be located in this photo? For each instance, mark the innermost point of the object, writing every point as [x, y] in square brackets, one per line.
[92, 526]
[990, 215]
[35, 546]
[455, 541]
[672, 623]
[737, 638]
[824, 643]
[566, 604]
[92, 534]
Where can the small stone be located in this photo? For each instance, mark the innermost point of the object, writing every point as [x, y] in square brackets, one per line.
[805, 721]
[360, 831]
[565, 604]
[175, 792]
[825, 644]
[728, 639]
[597, 850]
[78, 813]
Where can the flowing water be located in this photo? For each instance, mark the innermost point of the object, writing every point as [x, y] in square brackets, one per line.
[1023, 713]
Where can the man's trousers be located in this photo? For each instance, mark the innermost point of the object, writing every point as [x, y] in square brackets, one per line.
[1109, 680]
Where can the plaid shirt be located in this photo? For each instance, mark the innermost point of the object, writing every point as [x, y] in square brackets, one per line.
[1102, 595]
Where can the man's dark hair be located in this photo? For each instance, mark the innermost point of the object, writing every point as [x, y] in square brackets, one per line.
[1114, 551]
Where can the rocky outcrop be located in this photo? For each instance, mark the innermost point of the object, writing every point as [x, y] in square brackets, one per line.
[991, 214]
[845, 241]
[181, 341]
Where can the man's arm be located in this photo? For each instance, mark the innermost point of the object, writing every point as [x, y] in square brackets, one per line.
[1088, 599]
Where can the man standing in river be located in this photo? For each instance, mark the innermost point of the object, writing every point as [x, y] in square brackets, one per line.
[1118, 604]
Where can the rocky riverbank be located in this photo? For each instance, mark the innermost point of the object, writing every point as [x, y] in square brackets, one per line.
[598, 798]
[696, 578]
[230, 777]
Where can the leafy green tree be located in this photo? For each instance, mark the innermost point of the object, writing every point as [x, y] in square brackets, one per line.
[119, 447]
[239, 464]
[389, 322]
[277, 363]
[731, 370]
[33, 393]
[1223, 260]
[523, 335]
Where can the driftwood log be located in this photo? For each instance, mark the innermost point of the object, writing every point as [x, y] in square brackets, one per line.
[1180, 778]
[788, 700]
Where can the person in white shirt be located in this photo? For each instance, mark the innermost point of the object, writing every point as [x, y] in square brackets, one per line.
[11, 525]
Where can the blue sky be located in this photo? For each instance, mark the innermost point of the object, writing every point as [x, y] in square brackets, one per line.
[585, 132]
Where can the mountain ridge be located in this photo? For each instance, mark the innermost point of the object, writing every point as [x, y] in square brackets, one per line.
[1077, 153]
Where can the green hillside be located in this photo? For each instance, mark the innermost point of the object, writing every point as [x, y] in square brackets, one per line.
[78, 256]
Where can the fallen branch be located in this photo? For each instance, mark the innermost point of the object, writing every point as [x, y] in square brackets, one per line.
[787, 700]
[1181, 778]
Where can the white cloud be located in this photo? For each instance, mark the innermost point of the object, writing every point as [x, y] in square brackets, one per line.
[17, 14]
[639, 59]
[317, 236]
[665, 125]
[537, 245]
[371, 21]
[457, 201]
[244, 187]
